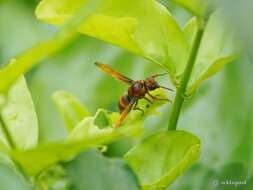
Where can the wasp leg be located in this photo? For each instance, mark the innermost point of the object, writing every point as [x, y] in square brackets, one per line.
[148, 100]
[137, 108]
[156, 98]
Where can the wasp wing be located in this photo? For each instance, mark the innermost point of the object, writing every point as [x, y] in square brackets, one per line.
[113, 73]
[125, 112]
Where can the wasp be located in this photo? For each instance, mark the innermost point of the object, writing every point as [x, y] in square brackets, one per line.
[137, 90]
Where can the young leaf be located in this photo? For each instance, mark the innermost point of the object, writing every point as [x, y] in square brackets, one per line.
[160, 158]
[91, 170]
[19, 116]
[131, 127]
[217, 49]
[71, 109]
[143, 27]
[43, 156]
[88, 127]
[85, 136]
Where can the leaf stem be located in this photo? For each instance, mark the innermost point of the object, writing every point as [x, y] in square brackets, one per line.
[180, 95]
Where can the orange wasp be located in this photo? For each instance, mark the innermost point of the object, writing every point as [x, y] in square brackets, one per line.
[137, 90]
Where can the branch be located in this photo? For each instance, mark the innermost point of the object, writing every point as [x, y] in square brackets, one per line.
[180, 95]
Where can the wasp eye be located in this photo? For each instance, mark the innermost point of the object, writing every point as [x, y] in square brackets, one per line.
[154, 87]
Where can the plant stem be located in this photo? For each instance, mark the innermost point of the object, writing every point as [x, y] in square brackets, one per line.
[180, 95]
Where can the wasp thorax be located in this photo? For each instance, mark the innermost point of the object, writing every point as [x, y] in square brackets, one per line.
[137, 87]
[137, 90]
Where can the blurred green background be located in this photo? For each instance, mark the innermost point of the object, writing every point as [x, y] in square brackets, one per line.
[220, 113]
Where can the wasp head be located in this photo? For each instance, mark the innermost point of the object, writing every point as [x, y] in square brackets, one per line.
[151, 84]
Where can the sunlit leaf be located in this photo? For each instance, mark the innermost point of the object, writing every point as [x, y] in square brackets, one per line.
[19, 116]
[129, 26]
[91, 170]
[40, 51]
[218, 48]
[85, 136]
[134, 121]
[159, 159]
[87, 128]
[43, 156]
[71, 109]
[143, 27]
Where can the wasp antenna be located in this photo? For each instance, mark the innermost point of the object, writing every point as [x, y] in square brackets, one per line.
[158, 75]
[166, 88]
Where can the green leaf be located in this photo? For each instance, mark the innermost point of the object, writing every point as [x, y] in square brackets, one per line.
[3, 147]
[10, 180]
[71, 109]
[40, 51]
[91, 170]
[19, 116]
[87, 128]
[85, 136]
[4, 155]
[43, 156]
[160, 158]
[197, 7]
[3, 138]
[129, 26]
[190, 30]
[4, 150]
[218, 47]
[131, 126]
[143, 27]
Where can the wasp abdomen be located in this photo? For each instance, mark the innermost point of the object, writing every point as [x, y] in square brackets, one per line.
[123, 102]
